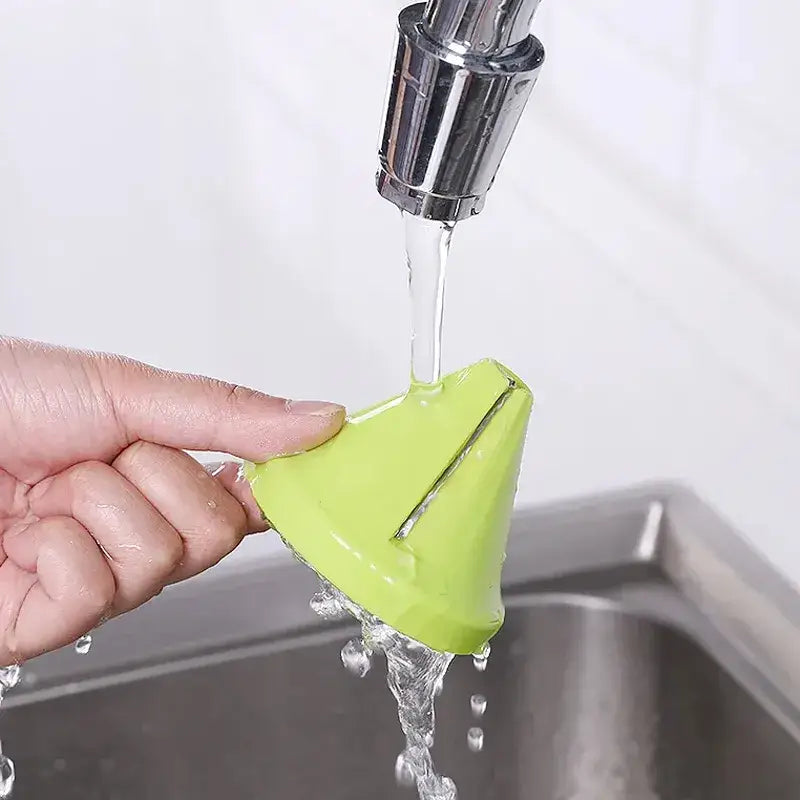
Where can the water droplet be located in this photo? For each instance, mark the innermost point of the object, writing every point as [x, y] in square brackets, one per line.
[7, 775]
[478, 705]
[9, 677]
[481, 658]
[475, 739]
[212, 504]
[404, 772]
[520, 87]
[84, 644]
[356, 658]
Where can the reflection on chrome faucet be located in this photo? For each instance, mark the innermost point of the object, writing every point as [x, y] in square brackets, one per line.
[463, 71]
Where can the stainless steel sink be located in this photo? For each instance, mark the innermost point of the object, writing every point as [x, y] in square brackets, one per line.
[648, 654]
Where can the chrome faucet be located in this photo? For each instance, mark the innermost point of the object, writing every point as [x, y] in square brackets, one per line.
[463, 71]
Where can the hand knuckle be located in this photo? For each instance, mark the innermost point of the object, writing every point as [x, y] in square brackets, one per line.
[229, 526]
[90, 479]
[168, 555]
[98, 595]
[133, 454]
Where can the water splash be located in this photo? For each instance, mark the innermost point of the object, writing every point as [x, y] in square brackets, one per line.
[404, 772]
[9, 678]
[327, 606]
[84, 644]
[414, 674]
[7, 775]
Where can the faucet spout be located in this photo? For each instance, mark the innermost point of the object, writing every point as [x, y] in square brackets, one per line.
[463, 71]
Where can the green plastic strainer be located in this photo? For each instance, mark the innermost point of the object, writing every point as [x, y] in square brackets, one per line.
[407, 510]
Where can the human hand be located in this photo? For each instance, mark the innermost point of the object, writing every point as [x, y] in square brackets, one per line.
[100, 508]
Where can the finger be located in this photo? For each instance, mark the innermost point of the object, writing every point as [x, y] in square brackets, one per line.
[141, 547]
[210, 521]
[231, 476]
[58, 584]
[193, 413]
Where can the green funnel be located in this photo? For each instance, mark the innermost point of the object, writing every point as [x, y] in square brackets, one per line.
[407, 510]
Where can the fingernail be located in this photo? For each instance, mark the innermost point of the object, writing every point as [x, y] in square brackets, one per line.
[312, 408]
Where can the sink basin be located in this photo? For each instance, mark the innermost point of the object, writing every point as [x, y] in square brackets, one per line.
[648, 654]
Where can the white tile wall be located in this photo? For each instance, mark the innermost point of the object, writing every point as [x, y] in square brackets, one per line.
[663, 32]
[745, 185]
[637, 105]
[754, 61]
[191, 183]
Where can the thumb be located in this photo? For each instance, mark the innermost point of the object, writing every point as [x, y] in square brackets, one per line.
[195, 413]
